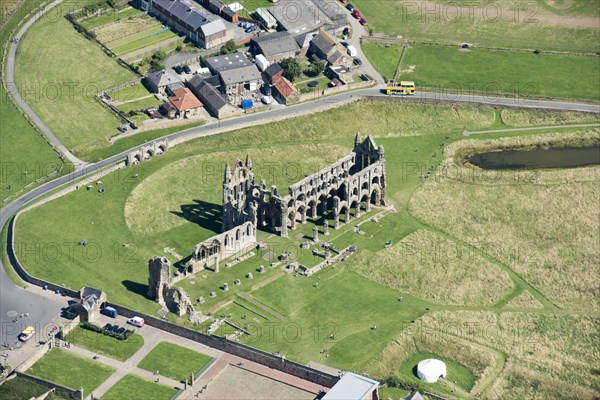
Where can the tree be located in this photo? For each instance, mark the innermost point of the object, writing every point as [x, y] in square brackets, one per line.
[228, 47]
[291, 68]
[317, 67]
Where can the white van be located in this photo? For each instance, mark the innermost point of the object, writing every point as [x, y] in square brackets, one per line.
[352, 51]
[136, 321]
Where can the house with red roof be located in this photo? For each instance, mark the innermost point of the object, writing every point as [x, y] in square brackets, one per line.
[286, 91]
[186, 104]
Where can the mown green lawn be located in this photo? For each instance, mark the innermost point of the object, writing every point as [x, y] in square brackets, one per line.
[496, 24]
[520, 73]
[71, 370]
[66, 82]
[130, 93]
[25, 155]
[384, 59]
[142, 42]
[107, 345]
[162, 356]
[140, 104]
[134, 387]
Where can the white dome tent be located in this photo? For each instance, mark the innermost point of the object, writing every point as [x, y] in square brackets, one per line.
[431, 370]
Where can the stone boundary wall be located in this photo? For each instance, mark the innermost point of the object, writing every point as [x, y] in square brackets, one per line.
[49, 384]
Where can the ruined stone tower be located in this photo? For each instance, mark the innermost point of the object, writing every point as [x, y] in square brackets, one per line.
[160, 278]
[237, 182]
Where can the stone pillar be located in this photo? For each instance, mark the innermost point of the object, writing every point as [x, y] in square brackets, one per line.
[315, 234]
[357, 213]
[325, 228]
[225, 287]
[368, 205]
[347, 216]
[313, 211]
[336, 221]
[325, 205]
[216, 264]
[303, 216]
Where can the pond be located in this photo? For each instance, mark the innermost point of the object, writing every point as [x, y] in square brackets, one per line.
[567, 157]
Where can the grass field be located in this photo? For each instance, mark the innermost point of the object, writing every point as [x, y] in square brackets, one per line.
[129, 93]
[553, 247]
[134, 387]
[525, 74]
[161, 359]
[70, 370]
[110, 16]
[431, 267]
[384, 59]
[525, 300]
[22, 388]
[549, 356]
[143, 42]
[21, 148]
[73, 71]
[541, 24]
[107, 345]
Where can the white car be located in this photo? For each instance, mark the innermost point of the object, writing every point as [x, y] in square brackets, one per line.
[136, 321]
[267, 100]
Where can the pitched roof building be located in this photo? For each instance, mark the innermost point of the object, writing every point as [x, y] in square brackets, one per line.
[212, 99]
[287, 91]
[185, 102]
[325, 47]
[227, 61]
[159, 80]
[273, 73]
[275, 46]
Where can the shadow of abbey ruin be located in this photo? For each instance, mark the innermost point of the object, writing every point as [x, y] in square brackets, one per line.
[204, 214]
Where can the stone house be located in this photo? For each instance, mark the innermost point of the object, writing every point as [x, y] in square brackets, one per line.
[286, 91]
[325, 47]
[213, 100]
[275, 46]
[186, 104]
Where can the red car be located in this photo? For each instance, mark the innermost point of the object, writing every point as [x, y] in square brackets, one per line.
[344, 1]
[363, 21]
[356, 13]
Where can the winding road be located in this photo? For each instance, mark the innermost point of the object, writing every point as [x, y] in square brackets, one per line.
[42, 308]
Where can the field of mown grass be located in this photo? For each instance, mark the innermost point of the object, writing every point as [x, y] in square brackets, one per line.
[107, 345]
[71, 370]
[73, 71]
[134, 387]
[140, 104]
[543, 24]
[110, 16]
[432, 267]
[524, 74]
[22, 149]
[161, 359]
[550, 356]
[552, 246]
[384, 59]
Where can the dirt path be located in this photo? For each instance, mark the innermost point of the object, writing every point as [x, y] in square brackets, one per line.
[534, 128]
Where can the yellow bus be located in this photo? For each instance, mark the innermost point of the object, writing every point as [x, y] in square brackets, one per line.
[402, 88]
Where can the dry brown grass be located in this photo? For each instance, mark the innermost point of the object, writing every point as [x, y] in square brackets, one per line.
[524, 300]
[123, 28]
[431, 267]
[522, 117]
[559, 350]
[543, 224]
[149, 209]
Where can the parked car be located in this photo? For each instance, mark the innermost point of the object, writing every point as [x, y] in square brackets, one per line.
[267, 100]
[178, 69]
[115, 328]
[350, 7]
[107, 327]
[187, 69]
[344, 1]
[120, 330]
[266, 89]
[363, 21]
[356, 13]
[111, 311]
[357, 61]
[27, 334]
[351, 50]
[345, 44]
[136, 321]
[251, 28]
[346, 31]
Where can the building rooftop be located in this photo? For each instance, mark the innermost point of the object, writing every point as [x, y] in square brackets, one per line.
[284, 87]
[351, 387]
[324, 42]
[184, 99]
[298, 16]
[213, 27]
[266, 16]
[239, 75]
[162, 78]
[225, 62]
[182, 11]
[276, 43]
[208, 93]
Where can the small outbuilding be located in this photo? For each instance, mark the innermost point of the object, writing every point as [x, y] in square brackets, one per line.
[353, 387]
[431, 370]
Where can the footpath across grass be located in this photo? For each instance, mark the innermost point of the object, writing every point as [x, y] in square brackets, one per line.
[133, 387]
[162, 357]
[66, 369]
[107, 345]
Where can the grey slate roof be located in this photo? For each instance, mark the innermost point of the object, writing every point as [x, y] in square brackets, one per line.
[227, 61]
[239, 75]
[181, 11]
[162, 78]
[273, 70]
[208, 94]
[276, 43]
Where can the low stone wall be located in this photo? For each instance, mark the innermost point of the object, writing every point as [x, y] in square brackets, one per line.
[49, 384]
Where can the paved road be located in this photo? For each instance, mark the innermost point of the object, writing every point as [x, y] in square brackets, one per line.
[14, 298]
